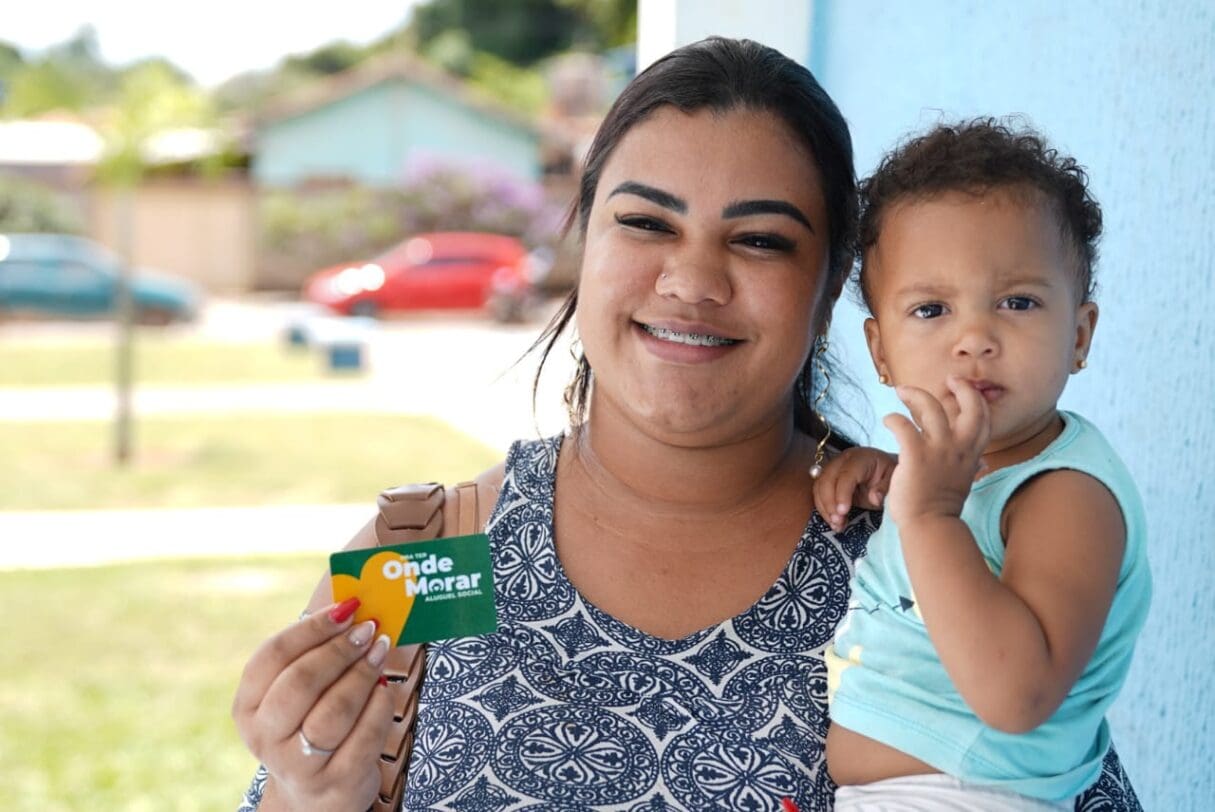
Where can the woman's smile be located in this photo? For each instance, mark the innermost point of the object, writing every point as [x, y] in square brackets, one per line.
[679, 343]
[696, 337]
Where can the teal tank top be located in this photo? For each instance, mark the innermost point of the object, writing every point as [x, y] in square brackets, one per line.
[886, 682]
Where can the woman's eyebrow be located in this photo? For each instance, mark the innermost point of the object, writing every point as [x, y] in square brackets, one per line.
[744, 208]
[656, 196]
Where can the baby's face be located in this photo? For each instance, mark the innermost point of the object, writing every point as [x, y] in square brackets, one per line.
[981, 287]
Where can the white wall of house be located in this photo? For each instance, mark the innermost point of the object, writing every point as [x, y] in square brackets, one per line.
[663, 25]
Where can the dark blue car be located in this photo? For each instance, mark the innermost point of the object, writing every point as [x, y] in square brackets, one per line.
[62, 275]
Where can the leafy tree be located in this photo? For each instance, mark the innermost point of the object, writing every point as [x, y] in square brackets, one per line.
[334, 57]
[43, 86]
[10, 60]
[68, 76]
[614, 21]
[152, 96]
[452, 50]
[253, 90]
[522, 32]
[80, 50]
[523, 89]
[158, 63]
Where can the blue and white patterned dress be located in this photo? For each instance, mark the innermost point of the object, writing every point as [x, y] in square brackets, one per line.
[567, 708]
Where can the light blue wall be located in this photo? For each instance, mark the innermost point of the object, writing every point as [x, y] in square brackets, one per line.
[1128, 87]
[436, 126]
[358, 136]
[370, 135]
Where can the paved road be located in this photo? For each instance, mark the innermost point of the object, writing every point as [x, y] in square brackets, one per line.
[471, 382]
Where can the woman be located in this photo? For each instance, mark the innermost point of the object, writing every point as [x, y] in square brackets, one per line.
[664, 588]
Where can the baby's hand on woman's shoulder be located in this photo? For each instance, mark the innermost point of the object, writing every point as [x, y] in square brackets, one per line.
[855, 477]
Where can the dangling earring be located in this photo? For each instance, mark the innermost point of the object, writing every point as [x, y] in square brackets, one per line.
[816, 470]
[883, 378]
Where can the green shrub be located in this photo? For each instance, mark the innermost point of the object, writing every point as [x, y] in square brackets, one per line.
[26, 206]
[304, 230]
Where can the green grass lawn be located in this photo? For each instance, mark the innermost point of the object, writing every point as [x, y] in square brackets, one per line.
[158, 360]
[118, 680]
[200, 461]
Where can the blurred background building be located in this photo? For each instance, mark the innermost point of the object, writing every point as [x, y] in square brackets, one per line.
[468, 115]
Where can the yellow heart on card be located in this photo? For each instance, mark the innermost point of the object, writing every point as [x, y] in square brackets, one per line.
[381, 591]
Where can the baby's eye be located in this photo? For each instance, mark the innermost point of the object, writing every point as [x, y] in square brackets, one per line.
[1020, 303]
[641, 222]
[928, 311]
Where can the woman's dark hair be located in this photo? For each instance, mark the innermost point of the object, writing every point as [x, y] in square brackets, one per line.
[724, 75]
[977, 156]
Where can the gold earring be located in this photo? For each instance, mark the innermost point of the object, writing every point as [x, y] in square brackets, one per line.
[820, 451]
[883, 378]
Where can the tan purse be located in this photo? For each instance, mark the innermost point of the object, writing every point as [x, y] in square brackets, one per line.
[413, 513]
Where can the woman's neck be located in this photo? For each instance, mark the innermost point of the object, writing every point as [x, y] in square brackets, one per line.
[639, 471]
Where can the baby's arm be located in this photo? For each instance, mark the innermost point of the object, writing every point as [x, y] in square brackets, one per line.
[859, 476]
[1012, 645]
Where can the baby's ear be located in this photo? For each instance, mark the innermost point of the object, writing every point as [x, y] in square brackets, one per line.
[873, 337]
[1086, 323]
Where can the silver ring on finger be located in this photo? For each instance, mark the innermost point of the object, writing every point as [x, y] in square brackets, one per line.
[310, 749]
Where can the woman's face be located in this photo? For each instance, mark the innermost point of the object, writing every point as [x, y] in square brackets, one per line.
[705, 262]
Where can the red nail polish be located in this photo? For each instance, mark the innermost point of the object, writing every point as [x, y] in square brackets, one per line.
[342, 612]
[787, 805]
[383, 680]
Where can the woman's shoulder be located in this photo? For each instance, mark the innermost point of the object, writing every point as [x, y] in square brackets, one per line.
[487, 485]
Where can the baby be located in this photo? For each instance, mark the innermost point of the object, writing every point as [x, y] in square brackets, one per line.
[994, 615]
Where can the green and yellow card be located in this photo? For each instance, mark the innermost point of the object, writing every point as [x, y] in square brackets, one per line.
[421, 591]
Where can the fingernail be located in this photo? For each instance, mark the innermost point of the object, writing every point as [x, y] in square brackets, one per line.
[361, 633]
[841, 508]
[342, 612]
[787, 805]
[379, 650]
[382, 681]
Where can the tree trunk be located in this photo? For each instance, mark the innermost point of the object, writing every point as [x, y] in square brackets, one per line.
[124, 322]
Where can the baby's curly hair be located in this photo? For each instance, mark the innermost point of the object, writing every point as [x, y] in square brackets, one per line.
[977, 156]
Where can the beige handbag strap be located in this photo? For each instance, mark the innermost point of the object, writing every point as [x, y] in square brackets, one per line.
[413, 513]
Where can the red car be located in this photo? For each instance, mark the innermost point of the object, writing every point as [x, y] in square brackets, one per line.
[463, 270]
